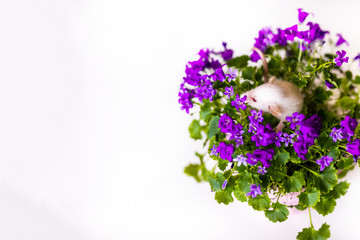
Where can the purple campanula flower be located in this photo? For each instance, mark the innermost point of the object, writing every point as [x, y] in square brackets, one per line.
[205, 91]
[236, 134]
[288, 138]
[329, 85]
[291, 32]
[348, 126]
[324, 162]
[315, 32]
[256, 116]
[227, 53]
[241, 160]
[255, 56]
[354, 149]
[264, 136]
[251, 159]
[341, 40]
[185, 100]
[301, 149]
[218, 74]
[229, 91]
[279, 139]
[336, 134]
[264, 156]
[225, 151]
[340, 59]
[213, 151]
[357, 57]
[302, 15]
[253, 126]
[265, 38]
[224, 185]
[295, 120]
[239, 102]
[226, 124]
[254, 190]
[232, 74]
[262, 170]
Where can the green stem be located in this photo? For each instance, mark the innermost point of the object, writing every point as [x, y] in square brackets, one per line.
[310, 218]
[315, 173]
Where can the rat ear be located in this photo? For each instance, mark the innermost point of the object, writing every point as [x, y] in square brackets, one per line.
[272, 80]
[275, 110]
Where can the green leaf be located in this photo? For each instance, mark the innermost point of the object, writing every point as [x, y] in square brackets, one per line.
[222, 164]
[312, 234]
[239, 195]
[260, 202]
[346, 103]
[192, 170]
[339, 190]
[348, 75]
[279, 213]
[282, 157]
[325, 206]
[321, 95]
[345, 163]
[216, 182]
[334, 153]
[239, 62]
[325, 141]
[295, 182]
[309, 198]
[248, 73]
[213, 126]
[224, 196]
[327, 179]
[195, 130]
[205, 111]
[244, 181]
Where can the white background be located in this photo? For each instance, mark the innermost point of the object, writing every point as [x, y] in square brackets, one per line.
[92, 140]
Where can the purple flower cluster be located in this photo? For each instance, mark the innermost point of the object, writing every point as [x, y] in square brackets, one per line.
[309, 130]
[263, 135]
[348, 127]
[340, 59]
[199, 85]
[254, 191]
[228, 126]
[239, 102]
[268, 38]
[354, 149]
[262, 155]
[225, 151]
[324, 162]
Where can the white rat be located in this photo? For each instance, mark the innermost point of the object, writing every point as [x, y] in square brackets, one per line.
[280, 98]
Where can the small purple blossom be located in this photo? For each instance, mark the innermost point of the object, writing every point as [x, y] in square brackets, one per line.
[324, 162]
[251, 159]
[185, 100]
[354, 149]
[232, 74]
[241, 160]
[336, 134]
[288, 138]
[256, 116]
[302, 15]
[329, 85]
[295, 120]
[264, 136]
[300, 149]
[340, 59]
[225, 151]
[254, 190]
[348, 127]
[262, 170]
[239, 102]
[224, 185]
[227, 53]
[357, 57]
[229, 91]
[213, 151]
[341, 40]
[226, 124]
[218, 74]
[205, 91]
[264, 156]
[279, 139]
[236, 134]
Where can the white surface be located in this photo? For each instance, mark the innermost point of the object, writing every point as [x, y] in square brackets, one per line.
[92, 140]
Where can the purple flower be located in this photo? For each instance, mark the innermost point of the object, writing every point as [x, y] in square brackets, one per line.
[354, 149]
[251, 159]
[241, 160]
[213, 151]
[302, 15]
[324, 162]
[279, 139]
[256, 116]
[291, 32]
[341, 40]
[295, 120]
[301, 149]
[232, 74]
[328, 84]
[236, 134]
[348, 127]
[205, 91]
[288, 138]
[218, 74]
[239, 102]
[340, 59]
[254, 190]
[185, 100]
[227, 53]
[229, 91]
[336, 134]
[315, 32]
[255, 56]
[264, 136]
[265, 38]
[226, 124]
[357, 57]
[262, 170]
[264, 156]
[224, 185]
[225, 151]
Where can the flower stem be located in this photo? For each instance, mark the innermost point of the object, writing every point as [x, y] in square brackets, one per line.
[315, 173]
[310, 218]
